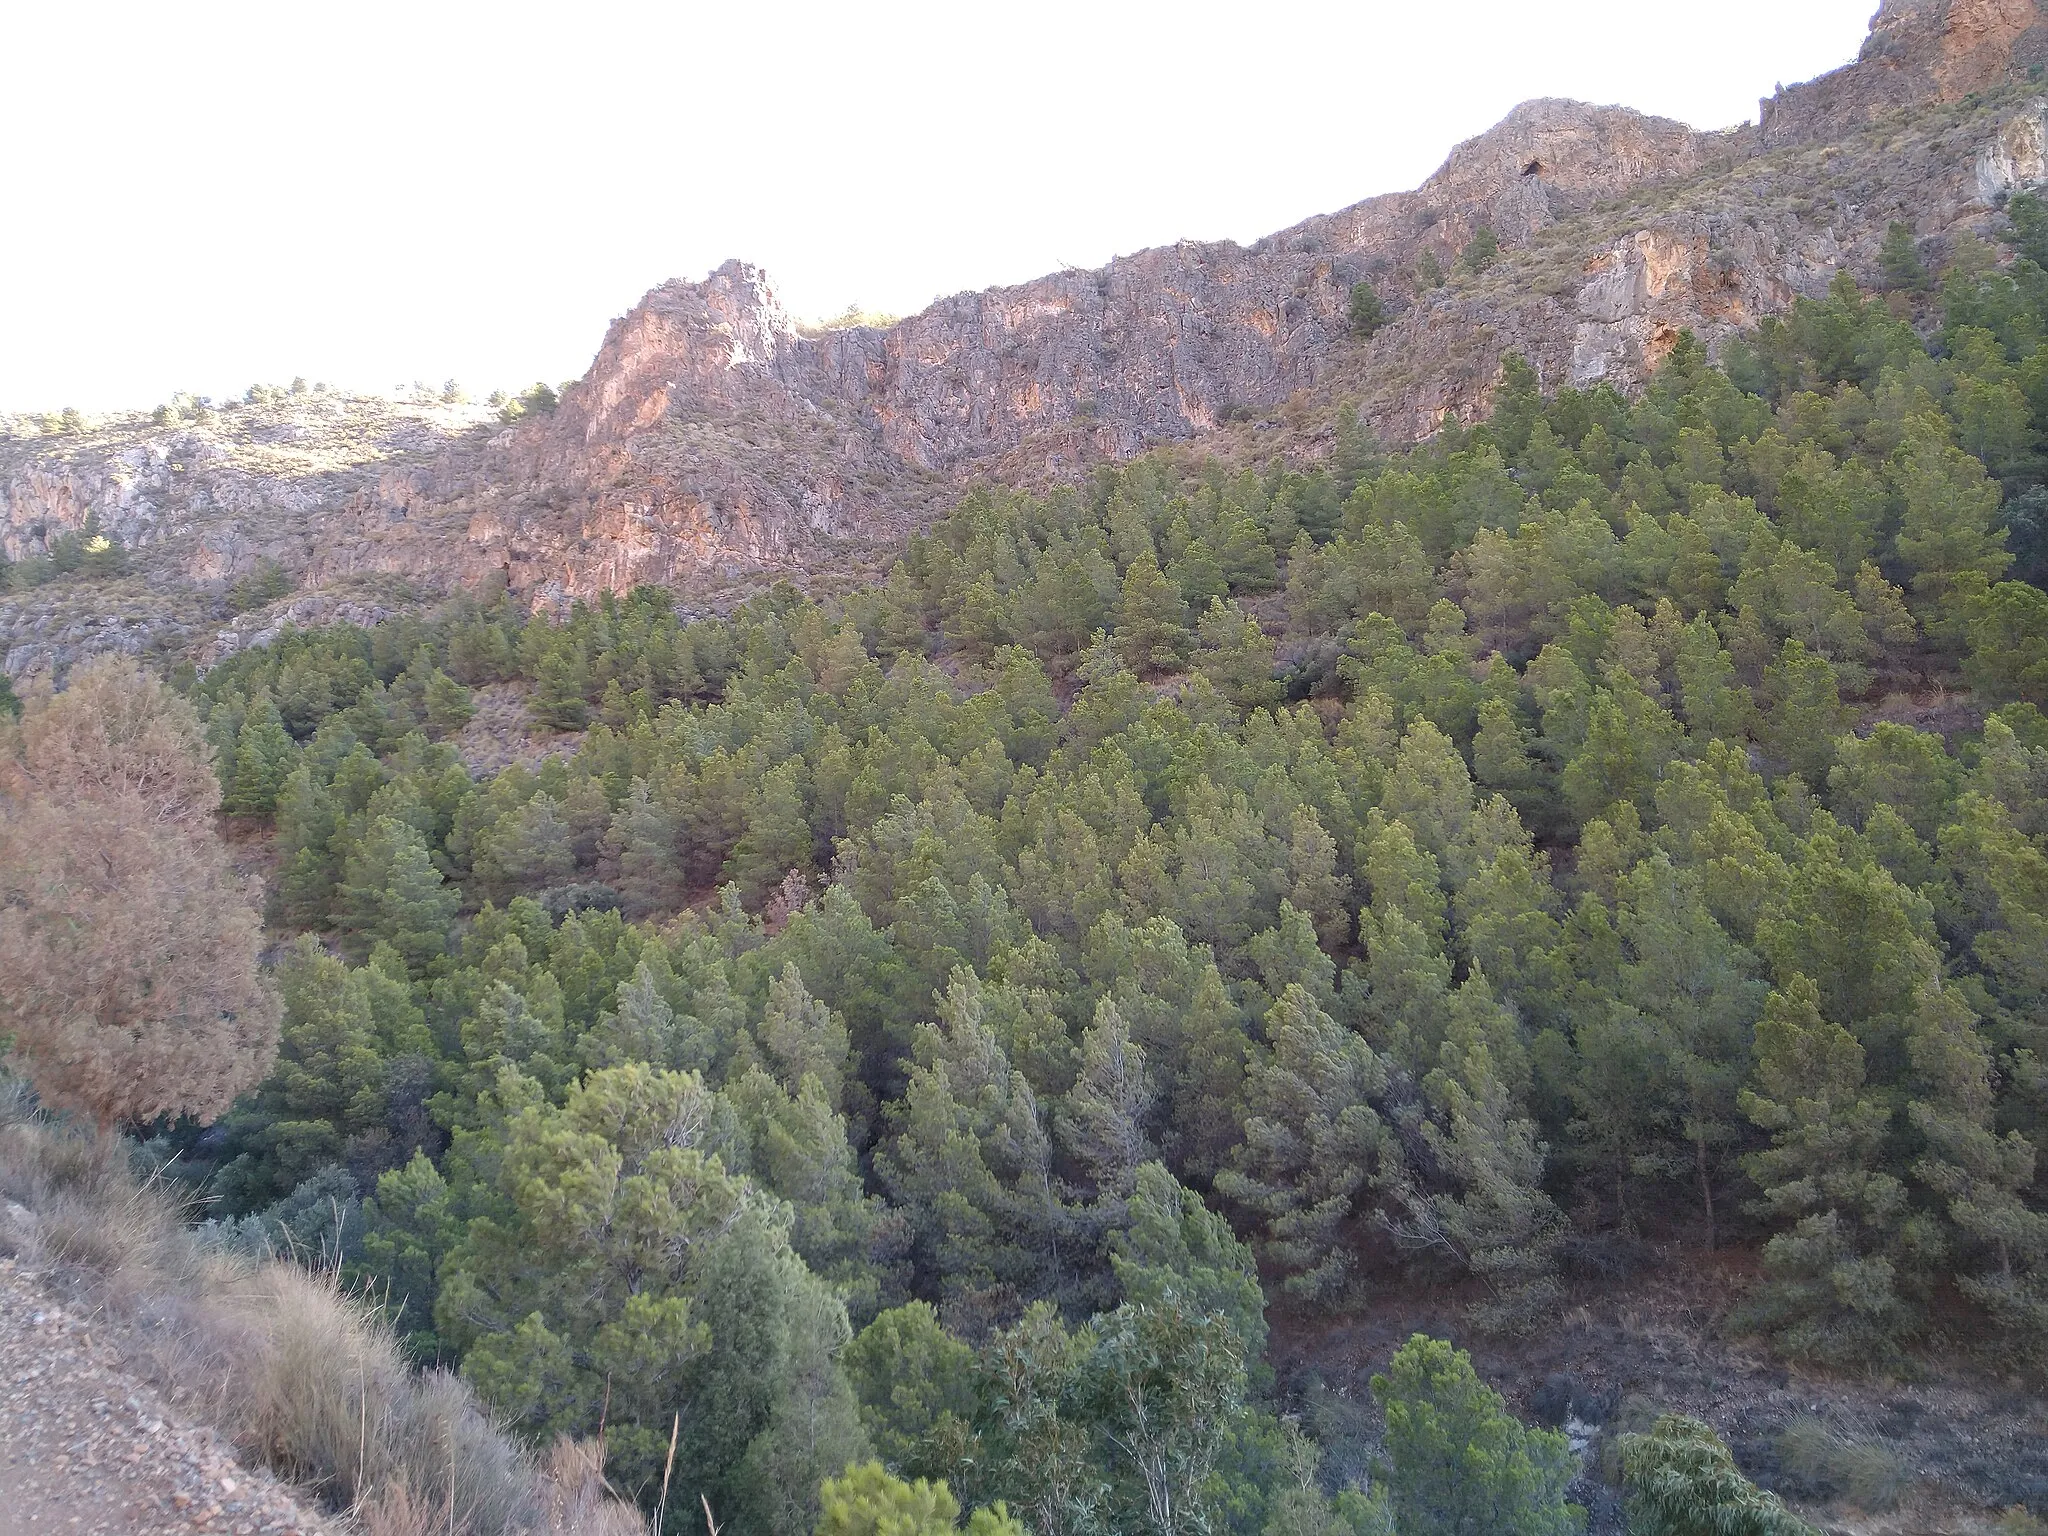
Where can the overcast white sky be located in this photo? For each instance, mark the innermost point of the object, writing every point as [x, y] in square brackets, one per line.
[201, 195]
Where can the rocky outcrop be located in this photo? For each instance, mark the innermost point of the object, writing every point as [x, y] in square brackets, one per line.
[200, 501]
[713, 439]
[711, 432]
[221, 487]
[1917, 51]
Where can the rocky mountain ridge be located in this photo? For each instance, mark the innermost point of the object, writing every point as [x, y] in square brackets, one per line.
[712, 438]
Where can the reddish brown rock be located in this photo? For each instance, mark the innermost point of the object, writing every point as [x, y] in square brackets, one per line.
[1917, 51]
[712, 438]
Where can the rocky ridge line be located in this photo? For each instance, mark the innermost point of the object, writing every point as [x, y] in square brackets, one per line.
[711, 432]
[713, 439]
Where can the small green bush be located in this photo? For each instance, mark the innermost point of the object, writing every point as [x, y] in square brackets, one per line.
[260, 587]
[1481, 252]
[1682, 1481]
[1368, 315]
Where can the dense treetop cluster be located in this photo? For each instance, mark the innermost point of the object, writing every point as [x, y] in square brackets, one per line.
[932, 1027]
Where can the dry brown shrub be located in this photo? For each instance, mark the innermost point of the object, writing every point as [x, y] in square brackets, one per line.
[115, 731]
[575, 1500]
[397, 1511]
[129, 975]
[317, 1388]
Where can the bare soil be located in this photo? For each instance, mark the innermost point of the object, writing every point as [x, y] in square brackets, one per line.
[87, 1447]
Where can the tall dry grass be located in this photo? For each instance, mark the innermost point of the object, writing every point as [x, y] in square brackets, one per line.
[300, 1375]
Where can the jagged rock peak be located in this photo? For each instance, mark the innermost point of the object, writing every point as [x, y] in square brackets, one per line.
[1917, 51]
[713, 438]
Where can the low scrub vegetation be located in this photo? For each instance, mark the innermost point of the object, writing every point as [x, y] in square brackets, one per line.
[300, 1374]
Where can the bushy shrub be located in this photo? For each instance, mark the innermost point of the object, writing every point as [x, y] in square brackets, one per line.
[1682, 1481]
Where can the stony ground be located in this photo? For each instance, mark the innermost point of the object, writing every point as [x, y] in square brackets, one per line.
[1941, 1451]
[86, 1448]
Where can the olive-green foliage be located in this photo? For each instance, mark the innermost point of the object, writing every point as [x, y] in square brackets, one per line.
[1365, 312]
[1682, 1481]
[1481, 251]
[1396, 849]
[1176, 1249]
[1834, 1289]
[628, 1266]
[87, 552]
[1899, 260]
[263, 584]
[914, 1383]
[1457, 1463]
[867, 1501]
[1313, 1142]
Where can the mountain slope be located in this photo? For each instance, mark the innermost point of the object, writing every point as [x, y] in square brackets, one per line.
[712, 438]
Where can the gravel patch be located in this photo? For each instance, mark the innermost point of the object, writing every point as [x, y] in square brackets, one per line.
[86, 1448]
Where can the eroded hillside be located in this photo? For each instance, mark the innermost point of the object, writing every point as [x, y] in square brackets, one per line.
[713, 440]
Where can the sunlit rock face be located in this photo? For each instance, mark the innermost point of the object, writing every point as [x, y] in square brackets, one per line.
[713, 439]
[1917, 51]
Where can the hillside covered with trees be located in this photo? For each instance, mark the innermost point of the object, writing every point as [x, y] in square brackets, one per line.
[951, 1026]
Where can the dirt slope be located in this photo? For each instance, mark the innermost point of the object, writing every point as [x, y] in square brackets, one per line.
[87, 1448]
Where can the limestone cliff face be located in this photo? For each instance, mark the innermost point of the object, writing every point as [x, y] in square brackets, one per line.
[710, 431]
[713, 439]
[197, 503]
[1917, 51]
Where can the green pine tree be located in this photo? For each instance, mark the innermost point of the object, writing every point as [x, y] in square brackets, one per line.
[915, 1383]
[1237, 656]
[778, 837]
[1833, 1282]
[642, 839]
[1102, 1122]
[1365, 311]
[1496, 1219]
[446, 703]
[308, 816]
[2028, 215]
[561, 686]
[1176, 1248]
[1313, 1144]
[264, 758]
[969, 1161]
[1805, 715]
[1151, 620]
[1981, 1176]
[1950, 524]
[1456, 1462]
[1898, 259]
[391, 893]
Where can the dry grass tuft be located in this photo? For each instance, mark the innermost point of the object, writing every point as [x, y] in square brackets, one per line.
[298, 1373]
[1826, 1464]
[574, 1498]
